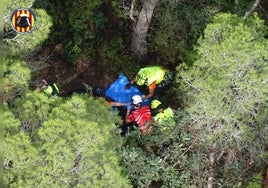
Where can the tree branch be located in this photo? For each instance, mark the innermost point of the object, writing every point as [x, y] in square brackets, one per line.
[211, 166]
[132, 10]
[178, 161]
[188, 82]
[254, 6]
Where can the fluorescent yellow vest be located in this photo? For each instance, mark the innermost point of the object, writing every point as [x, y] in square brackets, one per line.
[165, 119]
[48, 90]
[153, 73]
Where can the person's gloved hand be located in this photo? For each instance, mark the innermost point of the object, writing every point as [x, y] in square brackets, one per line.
[127, 86]
[143, 96]
[129, 106]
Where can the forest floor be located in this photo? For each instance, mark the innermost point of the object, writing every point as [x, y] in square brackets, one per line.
[70, 78]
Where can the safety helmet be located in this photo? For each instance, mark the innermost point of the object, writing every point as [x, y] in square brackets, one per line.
[41, 83]
[136, 99]
[140, 79]
[98, 92]
[155, 103]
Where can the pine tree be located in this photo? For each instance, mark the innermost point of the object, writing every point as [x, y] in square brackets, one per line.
[75, 145]
[227, 92]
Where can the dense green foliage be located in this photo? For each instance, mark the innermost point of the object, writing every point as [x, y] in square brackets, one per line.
[17, 51]
[226, 99]
[88, 32]
[220, 97]
[74, 27]
[16, 78]
[18, 45]
[53, 142]
[158, 159]
[61, 143]
[227, 95]
[178, 25]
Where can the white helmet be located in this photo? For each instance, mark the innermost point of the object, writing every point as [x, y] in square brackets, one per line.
[136, 99]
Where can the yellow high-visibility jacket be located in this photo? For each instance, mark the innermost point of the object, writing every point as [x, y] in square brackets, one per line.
[51, 90]
[165, 119]
[151, 74]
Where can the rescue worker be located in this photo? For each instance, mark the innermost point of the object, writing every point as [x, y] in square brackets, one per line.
[164, 117]
[50, 90]
[139, 115]
[150, 79]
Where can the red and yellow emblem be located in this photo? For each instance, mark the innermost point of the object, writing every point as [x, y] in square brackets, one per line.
[23, 20]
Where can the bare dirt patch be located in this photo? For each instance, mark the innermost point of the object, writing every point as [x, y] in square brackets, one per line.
[70, 78]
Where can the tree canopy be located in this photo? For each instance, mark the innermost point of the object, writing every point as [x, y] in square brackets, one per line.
[227, 93]
[218, 52]
[62, 143]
